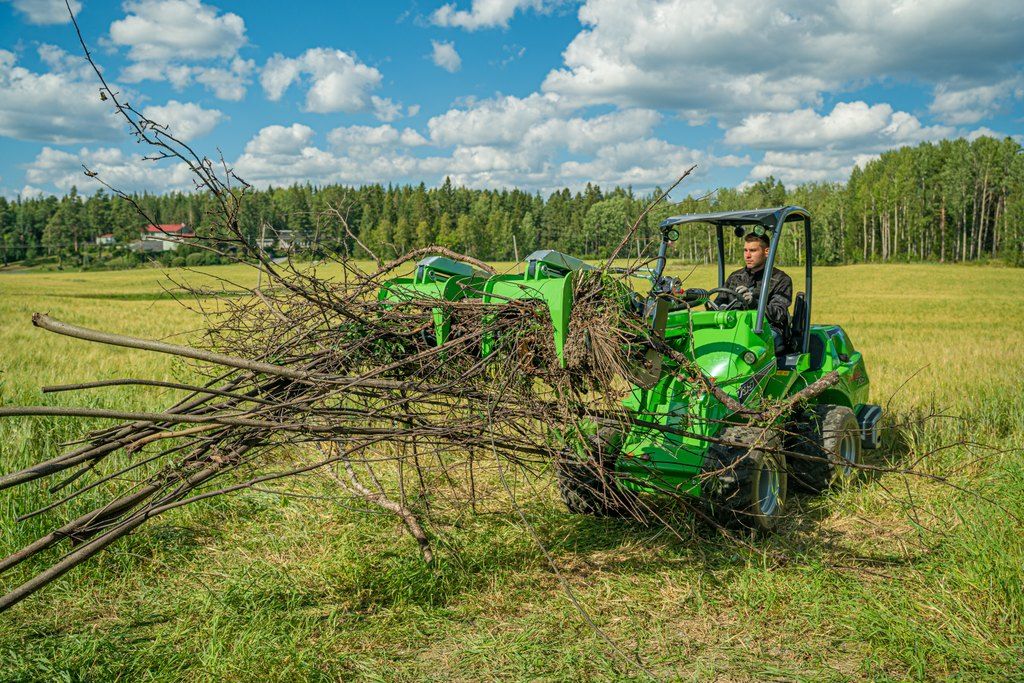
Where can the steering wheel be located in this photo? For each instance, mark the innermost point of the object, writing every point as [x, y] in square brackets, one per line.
[736, 303]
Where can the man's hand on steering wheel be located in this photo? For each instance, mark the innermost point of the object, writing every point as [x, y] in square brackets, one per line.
[737, 301]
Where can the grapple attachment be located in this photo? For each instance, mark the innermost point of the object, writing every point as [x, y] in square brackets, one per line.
[437, 277]
[548, 278]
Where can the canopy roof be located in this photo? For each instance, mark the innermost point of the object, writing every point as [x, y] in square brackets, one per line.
[768, 218]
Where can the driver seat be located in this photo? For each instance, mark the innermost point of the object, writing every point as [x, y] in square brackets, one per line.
[799, 323]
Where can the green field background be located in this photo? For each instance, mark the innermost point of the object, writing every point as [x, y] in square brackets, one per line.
[263, 586]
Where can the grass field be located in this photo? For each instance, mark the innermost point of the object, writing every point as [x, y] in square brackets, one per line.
[262, 586]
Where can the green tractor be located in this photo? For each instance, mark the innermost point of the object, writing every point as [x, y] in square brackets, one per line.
[682, 439]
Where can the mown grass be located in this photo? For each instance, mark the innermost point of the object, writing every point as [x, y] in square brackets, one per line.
[261, 586]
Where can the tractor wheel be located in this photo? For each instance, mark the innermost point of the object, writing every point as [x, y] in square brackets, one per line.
[831, 436]
[748, 482]
[589, 487]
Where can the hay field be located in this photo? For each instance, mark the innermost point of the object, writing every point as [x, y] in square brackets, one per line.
[264, 586]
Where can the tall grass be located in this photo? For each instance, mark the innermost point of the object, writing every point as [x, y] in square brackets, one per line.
[262, 586]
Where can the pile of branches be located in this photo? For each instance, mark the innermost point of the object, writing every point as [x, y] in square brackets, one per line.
[306, 374]
[303, 374]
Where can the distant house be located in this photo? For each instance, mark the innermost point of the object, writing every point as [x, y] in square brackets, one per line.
[148, 246]
[288, 240]
[163, 237]
[106, 240]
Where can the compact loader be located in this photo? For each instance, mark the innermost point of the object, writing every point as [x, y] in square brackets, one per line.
[681, 438]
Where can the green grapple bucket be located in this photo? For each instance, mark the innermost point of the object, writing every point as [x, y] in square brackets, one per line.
[437, 277]
[547, 278]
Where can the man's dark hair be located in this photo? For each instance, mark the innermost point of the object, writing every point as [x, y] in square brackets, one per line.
[751, 237]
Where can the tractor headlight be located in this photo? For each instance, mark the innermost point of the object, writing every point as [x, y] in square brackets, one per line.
[749, 357]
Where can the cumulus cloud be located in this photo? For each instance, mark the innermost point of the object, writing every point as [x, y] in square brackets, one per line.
[640, 163]
[486, 13]
[849, 125]
[58, 59]
[46, 11]
[384, 109]
[445, 56]
[61, 169]
[59, 107]
[177, 30]
[338, 81]
[850, 134]
[565, 149]
[184, 41]
[536, 125]
[280, 140]
[184, 120]
[734, 57]
[966, 104]
[366, 141]
[501, 120]
[800, 167]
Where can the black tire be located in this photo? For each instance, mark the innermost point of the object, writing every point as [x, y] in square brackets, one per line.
[589, 486]
[747, 483]
[831, 438]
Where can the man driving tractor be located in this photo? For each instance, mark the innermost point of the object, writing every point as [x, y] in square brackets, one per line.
[747, 282]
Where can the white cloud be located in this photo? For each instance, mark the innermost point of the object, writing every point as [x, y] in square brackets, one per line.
[58, 107]
[360, 141]
[800, 167]
[184, 120]
[486, 13]
[165, 39]
[445, 56]
[849, 125]
[537, 124]
[338, 81]
[61, 169]
[960, 105]
[59, 60]
[280, 140]
[502, 120]
[611, 149]
[851, 134]
[46, 11]
[987, 132]
[412, 138]
[227, 83]
[384, 109]
[177, 30]
[586, 135]
[734, 57]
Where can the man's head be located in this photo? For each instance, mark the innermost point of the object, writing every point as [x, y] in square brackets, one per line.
[755, 251]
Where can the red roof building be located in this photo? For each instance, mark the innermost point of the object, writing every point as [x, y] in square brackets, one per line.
[164, 237]
[175, 229]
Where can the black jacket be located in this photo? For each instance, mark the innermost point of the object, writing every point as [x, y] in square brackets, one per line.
[780, 294]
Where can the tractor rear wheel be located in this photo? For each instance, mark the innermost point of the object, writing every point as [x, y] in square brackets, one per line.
[747, 481]
[831, 436]
[590, 487]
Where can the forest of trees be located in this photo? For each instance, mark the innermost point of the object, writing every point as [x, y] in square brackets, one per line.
[951, 201]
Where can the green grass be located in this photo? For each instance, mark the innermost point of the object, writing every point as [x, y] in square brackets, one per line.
[264, 587]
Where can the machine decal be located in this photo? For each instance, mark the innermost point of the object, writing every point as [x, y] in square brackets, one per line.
[748, 387]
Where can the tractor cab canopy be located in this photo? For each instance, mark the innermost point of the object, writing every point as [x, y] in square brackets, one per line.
[768, 222]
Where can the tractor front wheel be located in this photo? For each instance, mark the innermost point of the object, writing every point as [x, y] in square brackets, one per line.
[590, 487]
[747, 478]
[830, 437]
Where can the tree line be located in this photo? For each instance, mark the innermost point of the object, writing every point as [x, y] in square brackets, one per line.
[951, 201]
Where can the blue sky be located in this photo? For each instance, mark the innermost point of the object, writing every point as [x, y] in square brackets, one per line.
[537, 94]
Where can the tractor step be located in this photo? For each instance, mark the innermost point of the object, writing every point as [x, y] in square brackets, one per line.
[868, 416]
